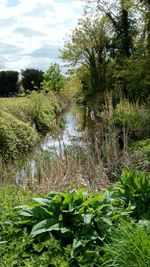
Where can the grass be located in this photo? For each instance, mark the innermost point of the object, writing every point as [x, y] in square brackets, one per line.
[130, 246]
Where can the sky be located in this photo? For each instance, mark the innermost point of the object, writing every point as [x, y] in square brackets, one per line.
[33, 31]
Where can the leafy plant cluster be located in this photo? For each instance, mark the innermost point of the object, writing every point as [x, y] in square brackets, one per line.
[79, 228]
[133, 118]
[16, 136]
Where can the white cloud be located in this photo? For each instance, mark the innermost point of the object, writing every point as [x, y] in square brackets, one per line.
[31, 25]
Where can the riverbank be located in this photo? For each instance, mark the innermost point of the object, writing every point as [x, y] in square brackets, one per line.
[98, 225]
[88, 150]
[23, 120]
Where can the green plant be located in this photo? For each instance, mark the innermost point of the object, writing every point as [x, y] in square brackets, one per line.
[53, 79]
[17, 248]
[78, 218]
[16, 136]
[41, 111]
[130, 246]
[134, 187]
[133, 118]
[141, 154]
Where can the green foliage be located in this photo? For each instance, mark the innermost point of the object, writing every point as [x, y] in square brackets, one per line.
[141, 154]
[134, 187]
[78, 228]
[134, 119]
[31, 79]
[112, 48]
[53, 79]
[41, 111]
[130, 246]
[21, 119]
[16, 136]
[87, 50]
[81, 219]
[17, 248]
[9, 83]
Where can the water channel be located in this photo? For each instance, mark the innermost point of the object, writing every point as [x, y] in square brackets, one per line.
[52, 145]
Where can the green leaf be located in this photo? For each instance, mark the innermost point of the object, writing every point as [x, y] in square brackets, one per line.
[26, 212]
[42, 201]
[43, 226]
[87, 218]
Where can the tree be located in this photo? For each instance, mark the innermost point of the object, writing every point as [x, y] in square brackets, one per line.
[9, 83]
[144, 8]
[31, 79]
[88, 49]
[53, 79]
[118, 13]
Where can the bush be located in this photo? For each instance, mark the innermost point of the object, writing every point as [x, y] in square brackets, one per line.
[134, 119]
[16, 136]
[134, 188]
[21, 118]
[41, 111]
[79, 219]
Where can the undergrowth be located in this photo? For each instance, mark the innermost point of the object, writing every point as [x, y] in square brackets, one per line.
[77, 228]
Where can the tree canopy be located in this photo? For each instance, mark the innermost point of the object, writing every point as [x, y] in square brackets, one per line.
[9, 83]
[31, 79]
[53, 79]
[110, 48]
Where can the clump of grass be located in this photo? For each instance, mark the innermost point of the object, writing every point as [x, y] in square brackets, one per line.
[130, 247]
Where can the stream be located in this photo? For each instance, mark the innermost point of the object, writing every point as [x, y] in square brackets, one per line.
[53, 145]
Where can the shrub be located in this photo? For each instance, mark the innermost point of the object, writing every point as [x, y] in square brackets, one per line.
[17, 248]
[16, 136]
[41, 111]
[134, 187]
[133, 118]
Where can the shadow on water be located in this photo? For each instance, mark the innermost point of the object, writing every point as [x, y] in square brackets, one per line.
[50, 149]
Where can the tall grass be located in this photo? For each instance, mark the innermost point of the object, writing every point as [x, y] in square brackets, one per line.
[130, 247]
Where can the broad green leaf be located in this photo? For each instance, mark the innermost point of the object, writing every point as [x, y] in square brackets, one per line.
[43, 201]
[27, 212]
[43, 226]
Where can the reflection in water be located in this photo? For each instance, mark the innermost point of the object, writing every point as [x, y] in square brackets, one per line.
[60, 142]
[53, 145]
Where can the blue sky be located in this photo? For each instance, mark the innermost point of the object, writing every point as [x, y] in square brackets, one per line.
[33, 31]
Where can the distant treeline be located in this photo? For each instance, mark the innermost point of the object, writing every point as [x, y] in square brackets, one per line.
[11, 83]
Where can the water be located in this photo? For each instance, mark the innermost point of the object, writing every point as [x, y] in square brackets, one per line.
[71, 132]
[52, 146]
